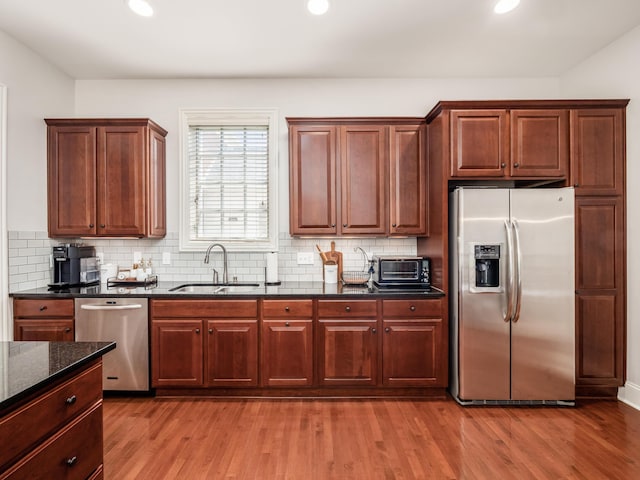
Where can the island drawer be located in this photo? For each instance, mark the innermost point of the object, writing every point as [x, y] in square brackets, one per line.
[287, 308]
[46, 307]
[40, 417]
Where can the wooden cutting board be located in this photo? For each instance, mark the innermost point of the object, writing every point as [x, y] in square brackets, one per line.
[334, 255]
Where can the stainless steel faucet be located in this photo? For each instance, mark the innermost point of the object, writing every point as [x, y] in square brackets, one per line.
[225, 272]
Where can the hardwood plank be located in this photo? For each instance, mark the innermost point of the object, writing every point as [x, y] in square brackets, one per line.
[207, 438]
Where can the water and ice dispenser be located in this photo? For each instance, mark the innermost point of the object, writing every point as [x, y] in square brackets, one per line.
[486, 268]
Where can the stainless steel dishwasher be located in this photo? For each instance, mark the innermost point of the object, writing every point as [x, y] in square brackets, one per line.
[123, 320]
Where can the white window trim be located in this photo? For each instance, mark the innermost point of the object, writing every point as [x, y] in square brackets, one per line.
[228, 116]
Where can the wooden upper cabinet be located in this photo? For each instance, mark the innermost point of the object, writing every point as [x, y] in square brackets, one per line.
[363, 163]
[106, 178]
[357, 176]
[539, 143]
[598, 151]
[479, 143]
[407, 180]
[312, 151]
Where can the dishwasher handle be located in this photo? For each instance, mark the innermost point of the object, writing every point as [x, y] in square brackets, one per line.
[133, 306]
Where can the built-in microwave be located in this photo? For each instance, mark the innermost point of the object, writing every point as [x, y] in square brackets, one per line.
[402, 272]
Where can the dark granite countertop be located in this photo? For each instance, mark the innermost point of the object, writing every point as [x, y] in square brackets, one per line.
[26, 367]
[286, 289]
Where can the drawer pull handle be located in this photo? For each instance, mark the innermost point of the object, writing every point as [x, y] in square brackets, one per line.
[387, 329]
[197, 330]
[373, 330]
[43, 308]
[286, 324]
[210, 330]
[347, 308]
[72, 461]
[71, 400]
[412, 308]
[286, 309]
[67, 330]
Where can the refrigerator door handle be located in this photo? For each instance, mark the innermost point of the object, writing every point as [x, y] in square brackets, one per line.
[508, 316]
[518, 261]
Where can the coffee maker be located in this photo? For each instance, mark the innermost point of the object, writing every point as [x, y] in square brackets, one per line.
[74, 265]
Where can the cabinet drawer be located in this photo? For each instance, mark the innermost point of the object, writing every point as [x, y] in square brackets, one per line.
[73, 453]
[43, 308]
[204, 308]
[287, 308]
[347, 309]
[38, 418]
[411, 308]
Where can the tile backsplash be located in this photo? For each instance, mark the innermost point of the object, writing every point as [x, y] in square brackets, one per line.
[30, 257]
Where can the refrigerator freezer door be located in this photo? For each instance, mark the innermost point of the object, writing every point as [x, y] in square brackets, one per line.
[482, 350]
[542, 337]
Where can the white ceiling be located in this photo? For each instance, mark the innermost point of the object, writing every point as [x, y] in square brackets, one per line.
[279, 38]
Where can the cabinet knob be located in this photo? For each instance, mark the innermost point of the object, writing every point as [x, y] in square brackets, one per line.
[516, 165]
[72, 461]
[91, 225]
[333, 225]
[412, 308]
[70, 400]
[387, 329]
[210, 330]
[197, 330]
[374, 330]
[347, 308]
[43, 308]
[102, 225]
[286, 324]
[393, 225]
[67, 330]
[576, 185]
[503, 165]
[344, 225]
[286, 309]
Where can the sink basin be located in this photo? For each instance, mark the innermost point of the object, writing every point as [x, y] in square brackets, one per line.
[215, 288]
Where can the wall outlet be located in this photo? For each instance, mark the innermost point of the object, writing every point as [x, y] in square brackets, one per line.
[136, 257]
[305, 258]
[100, 256]
[166, 258]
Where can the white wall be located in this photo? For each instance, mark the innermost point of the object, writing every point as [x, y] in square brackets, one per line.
[614, 72]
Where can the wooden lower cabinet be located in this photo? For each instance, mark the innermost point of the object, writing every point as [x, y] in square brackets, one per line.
[50, 320]
[287, 343]
[204, 343]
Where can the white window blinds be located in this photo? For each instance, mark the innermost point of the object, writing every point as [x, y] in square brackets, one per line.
[228, 171]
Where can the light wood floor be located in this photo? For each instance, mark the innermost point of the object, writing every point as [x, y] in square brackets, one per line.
[366, 439]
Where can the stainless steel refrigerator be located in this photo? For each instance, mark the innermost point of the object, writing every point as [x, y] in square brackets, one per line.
[512, 295]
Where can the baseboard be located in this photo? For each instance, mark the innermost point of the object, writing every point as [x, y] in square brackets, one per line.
[630, 394]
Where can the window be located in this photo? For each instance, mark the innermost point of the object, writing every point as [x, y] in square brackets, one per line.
[228, 179]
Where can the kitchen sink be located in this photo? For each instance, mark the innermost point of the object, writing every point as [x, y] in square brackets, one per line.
[216, 288]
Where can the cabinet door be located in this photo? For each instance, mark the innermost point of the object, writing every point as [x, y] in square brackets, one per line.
[121, 181]
[72, 181]
[479, 143]
[539, 143]
[312, 180]
[363, 161]
[600, 287]
[347, 352]
[177, 353]
[407, 181]
[156, 201]
[54, 330]
[287, 353]
[598, 151]
[232, 353]
[412, 353]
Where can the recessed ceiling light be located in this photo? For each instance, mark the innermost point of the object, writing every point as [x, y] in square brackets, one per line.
[318, 7]
[504, 6]
[141, 7]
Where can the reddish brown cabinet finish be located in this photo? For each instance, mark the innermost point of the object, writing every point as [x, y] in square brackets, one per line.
[525, 143]
[204, 343]
[346, 176]
[287, 343]
[106, 178]
[49, 320]
[414, 349]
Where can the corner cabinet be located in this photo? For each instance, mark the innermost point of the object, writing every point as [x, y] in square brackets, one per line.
[357, 176]
[106, 178]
